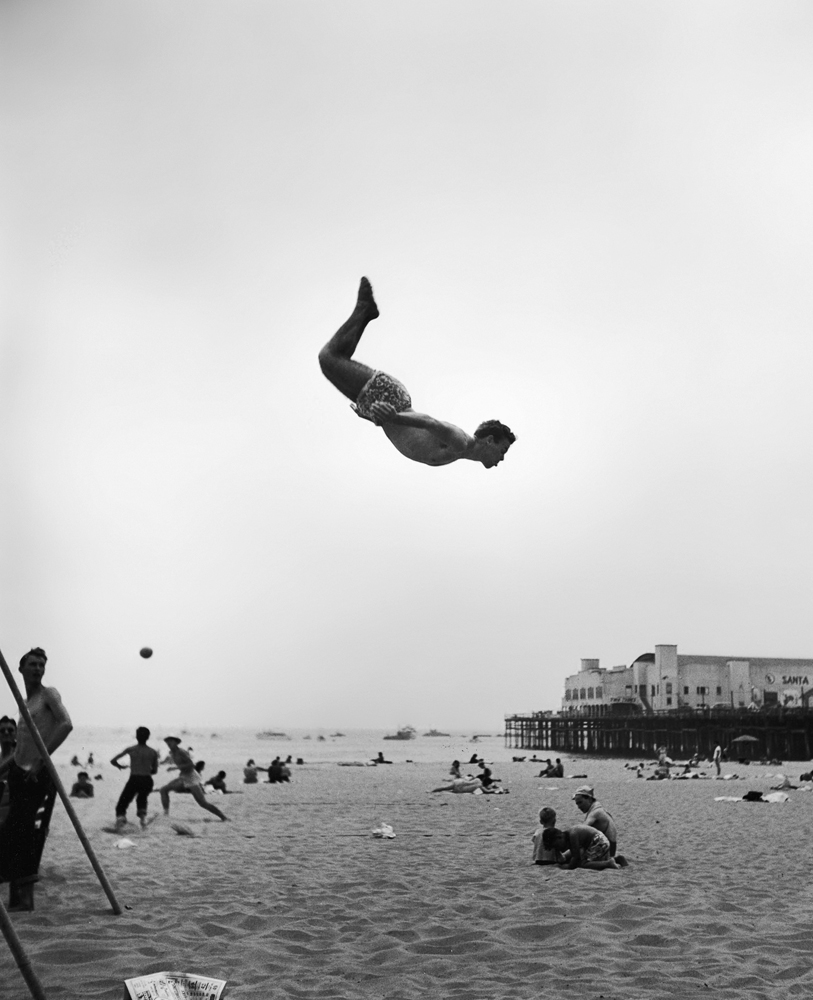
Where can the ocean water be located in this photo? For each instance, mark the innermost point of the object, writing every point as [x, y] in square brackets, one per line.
[228, 749]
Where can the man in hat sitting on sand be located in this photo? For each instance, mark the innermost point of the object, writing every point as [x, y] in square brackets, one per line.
[382, 399]
[596, 815]
[188, 780]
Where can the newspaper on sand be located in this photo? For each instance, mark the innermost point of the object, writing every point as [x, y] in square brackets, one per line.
[174, 986]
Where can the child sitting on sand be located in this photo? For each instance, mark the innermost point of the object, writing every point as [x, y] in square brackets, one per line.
[544, 855]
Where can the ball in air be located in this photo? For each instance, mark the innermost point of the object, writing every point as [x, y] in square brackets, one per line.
[146, 652]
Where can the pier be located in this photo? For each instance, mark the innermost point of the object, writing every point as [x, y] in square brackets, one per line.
[784, 735]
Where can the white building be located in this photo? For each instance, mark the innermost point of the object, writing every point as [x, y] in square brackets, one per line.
[665, 681]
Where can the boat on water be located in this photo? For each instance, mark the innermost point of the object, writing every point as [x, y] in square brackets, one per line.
[405, 733]
[436, 732]
[336, 734]
[267, 734]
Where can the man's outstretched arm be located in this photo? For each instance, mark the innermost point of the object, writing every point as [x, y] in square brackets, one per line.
[450, 435]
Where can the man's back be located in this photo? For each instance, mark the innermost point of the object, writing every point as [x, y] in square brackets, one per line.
[143, 760]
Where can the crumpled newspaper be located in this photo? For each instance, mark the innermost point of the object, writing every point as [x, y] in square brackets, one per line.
[124, 843]
[384, 832]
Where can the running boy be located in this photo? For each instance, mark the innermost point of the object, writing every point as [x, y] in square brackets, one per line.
[189, 779]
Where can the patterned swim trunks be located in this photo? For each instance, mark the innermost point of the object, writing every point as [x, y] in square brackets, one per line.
[382, 388]
[598, 849]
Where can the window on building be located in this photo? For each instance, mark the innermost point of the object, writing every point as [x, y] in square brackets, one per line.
[668, 700]
[589, 692]
[719, 689]
[567, 694]
[771, 697]
[653, 690]
[701, 690]
[669, 689]
[685, 690]
[599, 692]
[582, 693]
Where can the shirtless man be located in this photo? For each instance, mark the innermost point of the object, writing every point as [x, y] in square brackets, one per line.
[143, 765]
[596, 815]
[29, 781]
[188, 780]
[586, 847]
[382, 399]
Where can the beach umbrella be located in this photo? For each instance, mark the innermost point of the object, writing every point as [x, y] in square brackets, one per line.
[744, 746]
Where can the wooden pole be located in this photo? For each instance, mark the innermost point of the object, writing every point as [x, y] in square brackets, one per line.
[59, 786]
[20, 956]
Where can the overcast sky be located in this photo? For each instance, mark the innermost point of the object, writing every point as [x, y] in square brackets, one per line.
[591, 220]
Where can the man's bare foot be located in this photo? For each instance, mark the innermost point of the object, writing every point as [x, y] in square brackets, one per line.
[366, 299]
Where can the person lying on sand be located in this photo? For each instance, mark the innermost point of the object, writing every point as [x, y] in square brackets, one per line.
[382, 399]
[460, 785]
[470, 784]
[587, 847]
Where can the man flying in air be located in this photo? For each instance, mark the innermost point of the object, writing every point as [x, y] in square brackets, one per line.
[382, 399]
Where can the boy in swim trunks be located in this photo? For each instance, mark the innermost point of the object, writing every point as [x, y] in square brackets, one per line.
[382, 399]
[588, 847]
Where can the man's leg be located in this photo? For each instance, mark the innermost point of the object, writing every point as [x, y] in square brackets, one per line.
[598, 866]
[200, 797]
[336, 357]
[19, 849]
[126, 797]
[145, 787]
[176, 785]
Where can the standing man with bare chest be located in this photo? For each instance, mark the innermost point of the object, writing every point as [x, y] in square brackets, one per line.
[29, 781]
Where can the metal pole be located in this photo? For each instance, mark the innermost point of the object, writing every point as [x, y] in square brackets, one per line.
[20, 956]
[59, 786]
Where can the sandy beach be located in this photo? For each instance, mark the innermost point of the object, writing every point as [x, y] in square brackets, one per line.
[295, 897]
